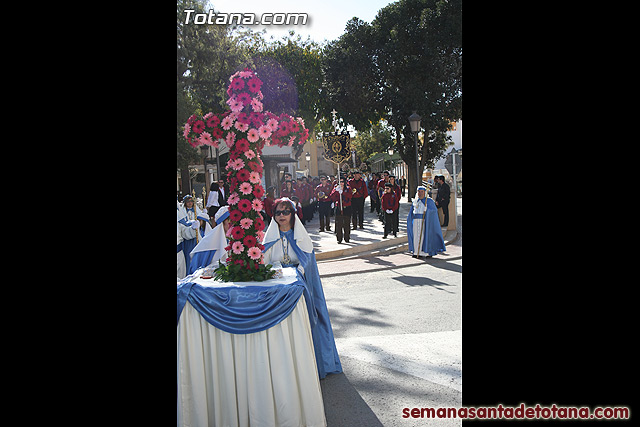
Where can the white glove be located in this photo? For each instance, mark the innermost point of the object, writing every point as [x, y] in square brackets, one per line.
[340, 190]
[389, 211]
[195, 224]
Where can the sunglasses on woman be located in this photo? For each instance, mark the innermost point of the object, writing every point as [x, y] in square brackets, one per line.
[284, 212]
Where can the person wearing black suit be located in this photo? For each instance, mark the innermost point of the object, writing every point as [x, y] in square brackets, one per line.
[442, 199]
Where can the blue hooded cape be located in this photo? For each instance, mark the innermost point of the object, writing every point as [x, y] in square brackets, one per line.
[432, 241]
[324, 344]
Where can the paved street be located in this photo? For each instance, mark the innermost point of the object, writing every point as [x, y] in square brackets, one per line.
[398, 326]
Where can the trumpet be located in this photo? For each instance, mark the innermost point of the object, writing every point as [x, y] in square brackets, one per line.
[354, 190]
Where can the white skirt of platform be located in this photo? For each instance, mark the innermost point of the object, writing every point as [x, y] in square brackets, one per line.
[267, 378]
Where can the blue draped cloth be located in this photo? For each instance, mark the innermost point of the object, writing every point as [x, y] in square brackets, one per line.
[199, 260]
[241, 309]
[432, 241]
[327, 358]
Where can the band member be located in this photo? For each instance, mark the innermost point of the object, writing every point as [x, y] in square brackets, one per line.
[442, 199]
[396, 189]
[305, 193]
[341, 198]
[360, 193]
[373, 193]
[288, 189]
[380, 189]
[389, 207]
[323, 191]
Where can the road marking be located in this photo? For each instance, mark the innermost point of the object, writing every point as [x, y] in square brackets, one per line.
[433, 356]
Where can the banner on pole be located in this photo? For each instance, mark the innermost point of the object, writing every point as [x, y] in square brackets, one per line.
[337, 147]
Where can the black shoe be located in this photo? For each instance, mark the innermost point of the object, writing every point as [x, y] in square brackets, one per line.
[414, 256]
[384, 237]
[395, 235]
[346, 240]
[339, 241]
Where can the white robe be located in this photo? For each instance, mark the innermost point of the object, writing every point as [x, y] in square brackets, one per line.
[182, 267]
[418, 236]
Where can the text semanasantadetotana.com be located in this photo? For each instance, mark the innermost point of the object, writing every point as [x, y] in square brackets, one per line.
[522, 412]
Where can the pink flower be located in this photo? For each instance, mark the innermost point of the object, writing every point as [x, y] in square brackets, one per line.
[242, 145]
[249, 154]
[244, 205]
[256, 105]
[258, 191]
[242, 127]
[254, 177]
[233, 199]
[237, 83]
[244, 98]
[198, 126]
[254, 84]
[242, 175]
[231, 139]
[187, 129]
[236, 105]
[245, 188]
[205, 138]
[264, 132]
[237, 248]
[260, 235]
[236, 164]
[227, 122]
[254, 253]
[246, 223]
[249, 241]
[273, 124]
[237, 233]
[256, 205]
[235, 215]
[245, 74]
[212, 121]
[253, 135]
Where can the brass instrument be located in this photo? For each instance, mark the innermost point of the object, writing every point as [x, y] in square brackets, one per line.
[354, 191]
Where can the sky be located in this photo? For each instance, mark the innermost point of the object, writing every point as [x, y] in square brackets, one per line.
[326, 18]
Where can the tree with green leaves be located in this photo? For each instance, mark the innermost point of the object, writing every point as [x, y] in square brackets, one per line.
[207, 55]
[408, 59]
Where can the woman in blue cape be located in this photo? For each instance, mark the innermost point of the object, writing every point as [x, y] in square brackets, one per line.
[211, 248]
[190, 215]
[286, 241]
[423, 227]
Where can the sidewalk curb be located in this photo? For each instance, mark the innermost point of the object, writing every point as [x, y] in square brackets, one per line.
[398, 244]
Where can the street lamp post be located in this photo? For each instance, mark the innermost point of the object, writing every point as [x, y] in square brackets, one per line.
[414, 121]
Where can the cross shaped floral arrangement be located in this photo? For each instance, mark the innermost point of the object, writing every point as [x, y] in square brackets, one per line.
[245, 129]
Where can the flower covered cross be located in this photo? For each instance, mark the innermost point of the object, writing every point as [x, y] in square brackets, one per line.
[246, 129]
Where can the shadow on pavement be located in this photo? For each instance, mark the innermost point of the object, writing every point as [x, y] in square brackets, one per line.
[343, 405]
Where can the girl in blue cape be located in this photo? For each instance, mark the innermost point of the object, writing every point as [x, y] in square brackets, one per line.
[423, 227]
[211, 248]
[190, 215]
[286, 241]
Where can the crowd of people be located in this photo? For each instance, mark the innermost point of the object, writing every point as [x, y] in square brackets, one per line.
[340, 197]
